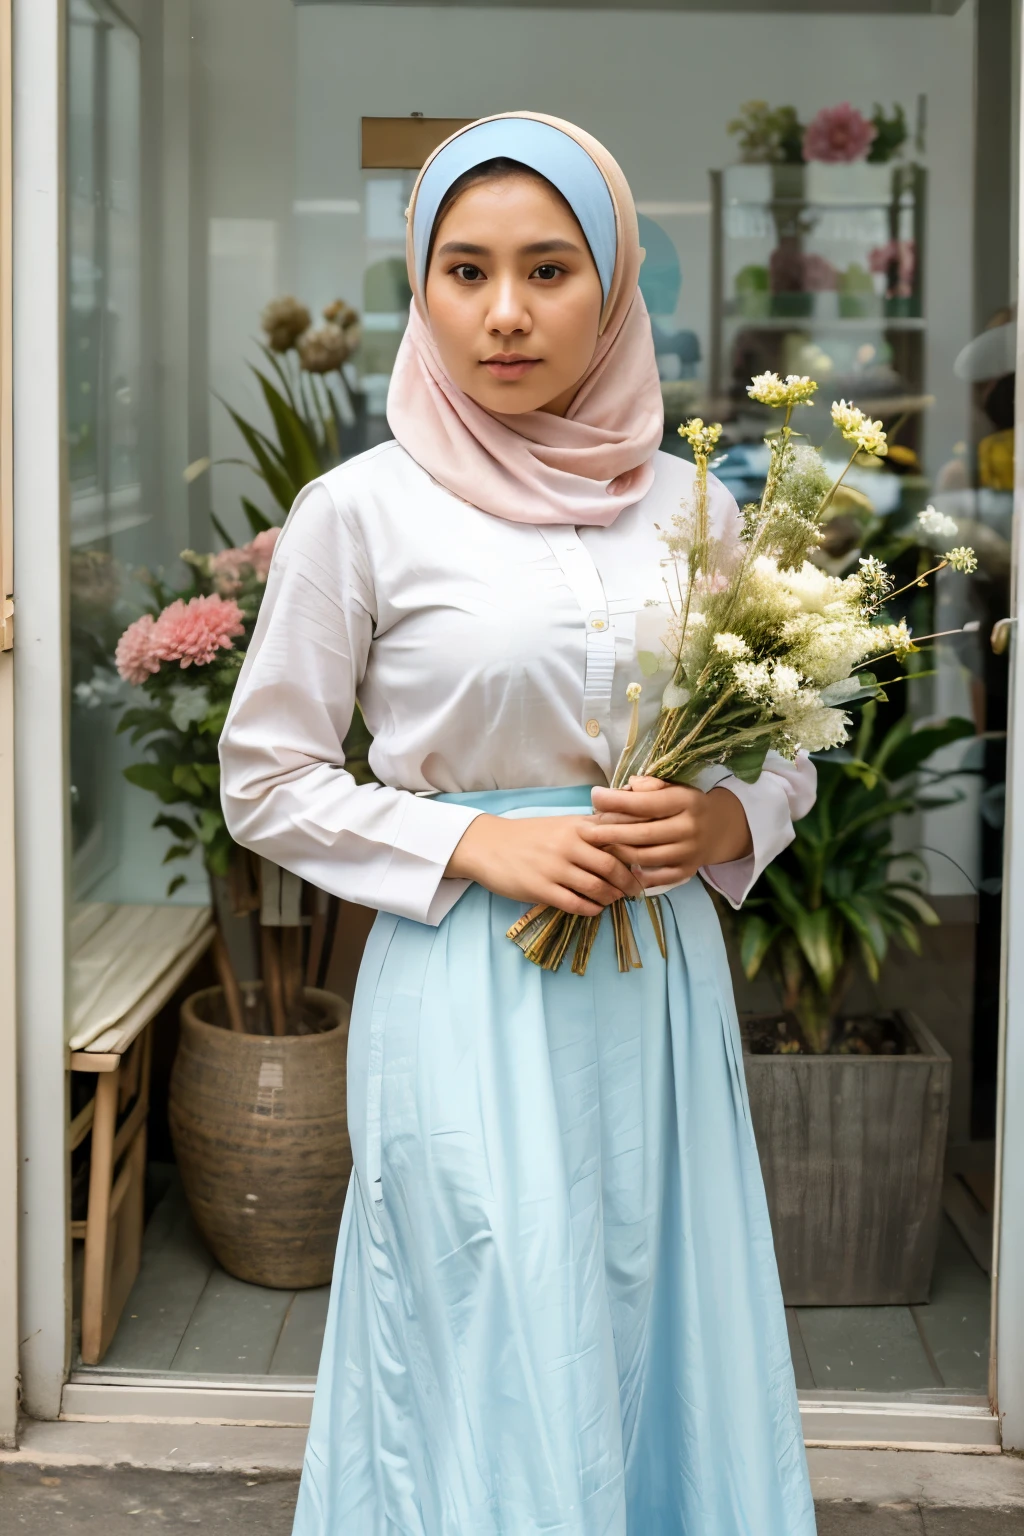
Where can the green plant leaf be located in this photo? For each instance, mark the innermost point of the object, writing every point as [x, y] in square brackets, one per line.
[221, 531]
[173, 885]
[177, 851]
[154, 778]
[186, 778]
[208, 774]
[271, 467]
[814, 934]
[175, 825]
[257, 520]
[756, 939]
[298, 445]
[917, 746]
[747, 765]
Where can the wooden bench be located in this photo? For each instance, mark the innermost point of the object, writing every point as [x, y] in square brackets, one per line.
[131, 960]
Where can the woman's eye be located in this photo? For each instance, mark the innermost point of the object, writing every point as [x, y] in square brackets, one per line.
[547, 271]
[467, 272]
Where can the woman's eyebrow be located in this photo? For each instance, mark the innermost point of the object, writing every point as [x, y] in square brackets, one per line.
[451, 247]
[543, 247]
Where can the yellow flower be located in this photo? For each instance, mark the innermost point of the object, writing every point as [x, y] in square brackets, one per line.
[633, 692]
[962, 559]
[701, 438]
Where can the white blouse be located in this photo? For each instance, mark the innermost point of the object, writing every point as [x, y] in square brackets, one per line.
[485, 654]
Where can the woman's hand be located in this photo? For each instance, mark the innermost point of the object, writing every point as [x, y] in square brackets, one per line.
[547, 859]
[673, 831]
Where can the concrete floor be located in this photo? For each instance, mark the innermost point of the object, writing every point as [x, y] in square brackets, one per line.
[126, 1502]
[121, 1479]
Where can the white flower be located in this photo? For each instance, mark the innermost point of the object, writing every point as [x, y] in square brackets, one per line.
[898, 638]
[874, 578]
[727, 644]
[769, 389]
[962, 559]
[936, 523]
[101, 688]
[188, 706]
[785, 685]
[822, 728]
[633, 692]
[675, 697]
[753, 679]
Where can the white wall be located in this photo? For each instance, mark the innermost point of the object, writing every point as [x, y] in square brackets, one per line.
[658, 89]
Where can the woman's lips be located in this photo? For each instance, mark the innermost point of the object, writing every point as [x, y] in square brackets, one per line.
[510, 368]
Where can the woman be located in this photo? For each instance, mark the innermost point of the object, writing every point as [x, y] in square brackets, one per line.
[555, 1305]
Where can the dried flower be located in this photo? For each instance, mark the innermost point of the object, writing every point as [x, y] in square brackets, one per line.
[324, 349]
[875, 581]
[936, 523]
[341, 314]
[136, 658]
[727, 644]
[962, 559]
[633, 692]
[192, 633]
[284, 321]
[865, 434]
[769, 389]
[701, 439]
[838, 134]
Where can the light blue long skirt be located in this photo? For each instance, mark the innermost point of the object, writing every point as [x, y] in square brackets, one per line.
[555, 1305]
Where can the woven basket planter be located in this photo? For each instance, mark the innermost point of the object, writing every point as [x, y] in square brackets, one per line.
[261, 1138]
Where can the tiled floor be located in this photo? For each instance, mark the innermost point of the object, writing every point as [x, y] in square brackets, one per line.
[186, 1315]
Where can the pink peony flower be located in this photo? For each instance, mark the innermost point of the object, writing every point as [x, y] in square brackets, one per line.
[228, 565]
[837, 134]
[261, 552]
[136, 657]
[195, 631]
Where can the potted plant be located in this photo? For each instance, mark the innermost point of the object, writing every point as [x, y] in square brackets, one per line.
[849, 1112]
[257, 1097]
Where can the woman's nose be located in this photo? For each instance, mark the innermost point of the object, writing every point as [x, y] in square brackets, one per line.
[507, 312]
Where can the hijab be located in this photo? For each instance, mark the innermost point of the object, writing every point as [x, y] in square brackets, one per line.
[584, 467]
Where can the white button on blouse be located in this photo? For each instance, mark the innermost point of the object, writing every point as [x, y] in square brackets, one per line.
[485, 654]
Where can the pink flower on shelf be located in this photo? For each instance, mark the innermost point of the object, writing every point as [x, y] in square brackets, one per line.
[838, 133]
[228, 565]
[136, 657]
[193, 632]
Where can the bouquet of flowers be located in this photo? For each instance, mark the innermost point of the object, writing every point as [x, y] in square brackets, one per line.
[766, 651]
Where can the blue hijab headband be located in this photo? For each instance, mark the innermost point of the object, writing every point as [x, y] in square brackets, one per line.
[539, 147]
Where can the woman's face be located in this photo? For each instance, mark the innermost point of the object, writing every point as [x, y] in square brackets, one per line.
[513, 296]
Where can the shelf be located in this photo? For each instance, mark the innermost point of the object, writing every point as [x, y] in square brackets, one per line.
[820, 323]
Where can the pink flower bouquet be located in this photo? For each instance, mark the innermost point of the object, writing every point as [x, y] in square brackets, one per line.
[185, 656]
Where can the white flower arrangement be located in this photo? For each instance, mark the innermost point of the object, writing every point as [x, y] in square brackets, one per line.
[766, 650]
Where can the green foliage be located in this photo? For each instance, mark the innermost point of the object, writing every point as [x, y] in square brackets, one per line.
[315, 424]
[890, 134]
[833, 900]
[768, 134]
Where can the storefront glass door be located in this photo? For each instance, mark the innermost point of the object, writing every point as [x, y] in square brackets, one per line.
[818, 194]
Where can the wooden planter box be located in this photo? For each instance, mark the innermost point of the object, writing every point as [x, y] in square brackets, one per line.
[852, 1151]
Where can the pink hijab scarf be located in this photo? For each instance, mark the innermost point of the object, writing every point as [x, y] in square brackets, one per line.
[580, 469]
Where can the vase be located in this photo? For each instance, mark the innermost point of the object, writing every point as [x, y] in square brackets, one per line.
[260, 1133]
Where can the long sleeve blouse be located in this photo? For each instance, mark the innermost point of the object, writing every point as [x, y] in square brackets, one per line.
[484, 654]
